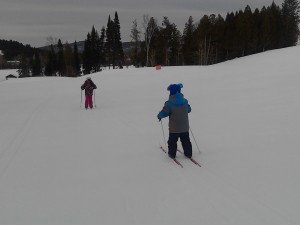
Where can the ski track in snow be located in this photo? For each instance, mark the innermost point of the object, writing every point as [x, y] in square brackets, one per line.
[12, 146]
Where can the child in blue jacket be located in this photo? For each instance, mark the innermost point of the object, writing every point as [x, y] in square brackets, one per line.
[177, 109]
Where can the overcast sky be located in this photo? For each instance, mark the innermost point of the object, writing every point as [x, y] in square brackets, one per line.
[32, 21]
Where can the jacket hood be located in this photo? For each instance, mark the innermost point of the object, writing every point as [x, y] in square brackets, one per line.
[177, 99]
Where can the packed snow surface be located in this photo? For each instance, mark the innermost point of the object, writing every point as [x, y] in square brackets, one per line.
[63, 165]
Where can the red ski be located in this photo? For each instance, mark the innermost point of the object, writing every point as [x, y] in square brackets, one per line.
[193, 160]
[175, 160]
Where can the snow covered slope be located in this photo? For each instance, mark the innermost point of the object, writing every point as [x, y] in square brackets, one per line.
[60, 164]
[4, 73]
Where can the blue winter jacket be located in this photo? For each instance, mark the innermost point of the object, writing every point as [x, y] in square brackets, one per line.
[177, 108]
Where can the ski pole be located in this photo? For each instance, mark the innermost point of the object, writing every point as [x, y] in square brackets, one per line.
[162, 128]
[195, 140]
[95, 98]
[80, 98]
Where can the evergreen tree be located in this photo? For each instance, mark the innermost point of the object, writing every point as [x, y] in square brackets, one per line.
[174, 45]
[245, 24]
[95, 51]
[157, 51]
[203, 35]
[290, 21]
[230, 41]
[102, 47]
[118, 54]
[24, 70]
[220, 53]
[60, 59]
[76, 60]
[166, 34]
[166, 43]
[109, 42]
[36, 65]
[91, 53]
[257, 20]
[275, 13]
[51, 65]
[86, 64]
[188, 47]
[69, 61]
[270, 27]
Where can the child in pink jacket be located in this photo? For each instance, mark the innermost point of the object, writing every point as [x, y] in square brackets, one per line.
[89, 87]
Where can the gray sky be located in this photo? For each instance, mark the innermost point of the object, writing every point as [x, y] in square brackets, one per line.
[32, 21]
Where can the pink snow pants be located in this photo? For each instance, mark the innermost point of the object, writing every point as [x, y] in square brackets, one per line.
[88, 101]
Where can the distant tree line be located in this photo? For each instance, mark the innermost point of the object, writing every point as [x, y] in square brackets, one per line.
[99, 51]
[58, 59]
[214, 39]
[211, 40]
[104, 50]
[11, 49]
[62, 60]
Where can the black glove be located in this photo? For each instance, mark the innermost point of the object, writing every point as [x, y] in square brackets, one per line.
[158, 117]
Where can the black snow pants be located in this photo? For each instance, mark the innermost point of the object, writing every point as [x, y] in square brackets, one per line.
[185, 142]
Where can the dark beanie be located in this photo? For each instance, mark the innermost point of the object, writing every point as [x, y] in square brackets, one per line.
[174, 88]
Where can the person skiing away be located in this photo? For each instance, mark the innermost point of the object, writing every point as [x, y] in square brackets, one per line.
[89, 87]
[177, 109]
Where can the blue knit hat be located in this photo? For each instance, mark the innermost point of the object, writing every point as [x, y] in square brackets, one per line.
[175, 88]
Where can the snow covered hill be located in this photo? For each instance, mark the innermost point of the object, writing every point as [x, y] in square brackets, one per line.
[4, 73]
[60, 164]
